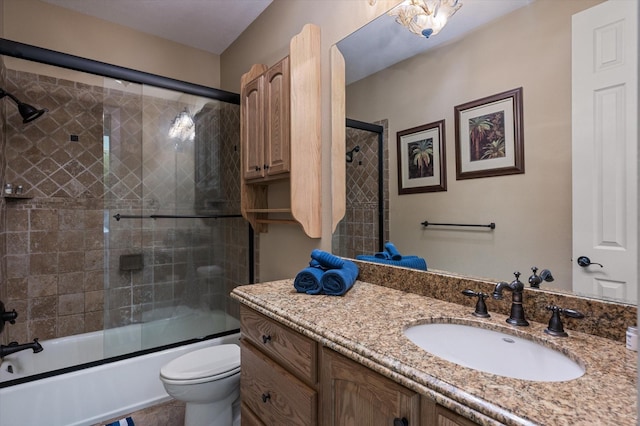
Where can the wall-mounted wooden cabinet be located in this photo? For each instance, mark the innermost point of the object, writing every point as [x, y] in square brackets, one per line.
[266, 118]
[280, 118]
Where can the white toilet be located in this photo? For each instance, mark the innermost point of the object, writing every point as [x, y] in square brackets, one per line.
[208, 380]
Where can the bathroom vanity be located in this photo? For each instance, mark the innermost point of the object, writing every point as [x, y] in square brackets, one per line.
[345, 360]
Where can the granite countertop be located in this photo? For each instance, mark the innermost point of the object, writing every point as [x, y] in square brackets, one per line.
[367, 323]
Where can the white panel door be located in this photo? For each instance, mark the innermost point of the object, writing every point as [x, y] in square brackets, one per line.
[605, 149]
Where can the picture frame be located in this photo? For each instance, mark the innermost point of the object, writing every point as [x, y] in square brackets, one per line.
[490, 136]
[422, 159]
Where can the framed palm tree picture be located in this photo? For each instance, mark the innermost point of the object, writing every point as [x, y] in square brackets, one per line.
[421, 159]
[490, 136]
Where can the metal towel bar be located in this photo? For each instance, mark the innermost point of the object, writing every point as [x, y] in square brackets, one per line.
[119, 216]
[425, 223]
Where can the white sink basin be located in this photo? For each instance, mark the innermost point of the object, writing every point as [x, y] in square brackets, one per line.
[494, 352]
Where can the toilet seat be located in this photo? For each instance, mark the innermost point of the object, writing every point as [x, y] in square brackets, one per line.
[203, 365]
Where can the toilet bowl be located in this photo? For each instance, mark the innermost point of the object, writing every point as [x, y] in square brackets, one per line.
[208, 380]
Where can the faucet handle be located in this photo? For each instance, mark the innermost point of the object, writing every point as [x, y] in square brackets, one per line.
[555, 327]
[481, 307]
[7, 316]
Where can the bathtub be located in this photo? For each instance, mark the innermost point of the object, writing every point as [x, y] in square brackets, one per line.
[89, 390]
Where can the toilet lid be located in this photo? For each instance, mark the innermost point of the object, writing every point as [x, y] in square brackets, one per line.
[207, 362]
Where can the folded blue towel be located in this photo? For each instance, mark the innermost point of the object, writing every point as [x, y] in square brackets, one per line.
[382, 255]
[123, 422]
[392, 250]
[413, 262]
[336, 282]
[327, 260]
[308, 279]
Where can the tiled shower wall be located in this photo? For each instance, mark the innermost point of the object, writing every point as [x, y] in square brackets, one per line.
[56, 253]
[358, 232]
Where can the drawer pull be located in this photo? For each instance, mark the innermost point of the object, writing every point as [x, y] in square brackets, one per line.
[266, 338]
[266, 397]
[400, 422]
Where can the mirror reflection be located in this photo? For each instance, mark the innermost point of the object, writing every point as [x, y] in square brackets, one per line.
[545, 217]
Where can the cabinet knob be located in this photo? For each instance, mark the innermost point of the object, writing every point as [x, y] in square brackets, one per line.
[266, 397]
[400, 422]
[266, 166]
[266, 338]
[257, 168]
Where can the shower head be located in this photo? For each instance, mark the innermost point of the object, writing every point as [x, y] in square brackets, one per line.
[27, 112]
[350, 153]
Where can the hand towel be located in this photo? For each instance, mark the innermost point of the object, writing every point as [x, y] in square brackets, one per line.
[336, 282]
[394, 254]
[327, 260]
[308, 279]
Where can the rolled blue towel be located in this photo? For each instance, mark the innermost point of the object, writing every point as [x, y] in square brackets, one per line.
[382, 255]
[336, 282]
[394, 254]
[327, 260]
[308, 280]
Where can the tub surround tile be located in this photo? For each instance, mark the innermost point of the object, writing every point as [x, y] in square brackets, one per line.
[43, 329]
[16, 288]
[17, 220]
[43, 263]
[93, 321]
[17, 242]
[72, 282]
[70, 304]
[43, 307]
[70, 324]
[42, 285]
[367, 323]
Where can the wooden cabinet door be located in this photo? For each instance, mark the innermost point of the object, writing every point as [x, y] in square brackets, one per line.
[253, 129]
[277, 119]
[357, 396]
[275, 396]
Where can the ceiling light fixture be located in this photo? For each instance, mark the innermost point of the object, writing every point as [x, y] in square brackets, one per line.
[183, 128]
[425, 17]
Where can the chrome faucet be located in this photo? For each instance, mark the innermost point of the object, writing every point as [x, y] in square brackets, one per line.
[536, 280]
[14, 347]
[516, 287]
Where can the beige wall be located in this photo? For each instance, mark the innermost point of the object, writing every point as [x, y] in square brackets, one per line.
[285, 249]
[52, 27]
[530, 48]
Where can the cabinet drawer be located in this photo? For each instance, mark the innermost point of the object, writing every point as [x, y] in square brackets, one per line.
[275, 396]
[292, 350]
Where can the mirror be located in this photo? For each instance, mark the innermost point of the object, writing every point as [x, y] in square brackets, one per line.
[529, 45]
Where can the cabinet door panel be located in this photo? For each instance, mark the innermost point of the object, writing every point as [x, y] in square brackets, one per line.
[275, 396]
[446, 417]
[248, 418]
[277, 116]
[253, 129]
[355, 395]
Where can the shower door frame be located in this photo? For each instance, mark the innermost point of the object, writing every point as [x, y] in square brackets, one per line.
[77, 63]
